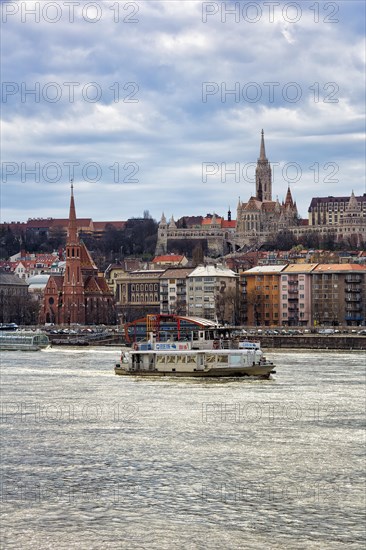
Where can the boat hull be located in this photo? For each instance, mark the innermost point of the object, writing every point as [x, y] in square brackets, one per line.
[257, 371]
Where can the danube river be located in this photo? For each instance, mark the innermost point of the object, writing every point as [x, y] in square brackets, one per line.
[91, 460]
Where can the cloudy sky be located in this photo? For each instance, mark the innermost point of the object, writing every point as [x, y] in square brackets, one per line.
[159, 105]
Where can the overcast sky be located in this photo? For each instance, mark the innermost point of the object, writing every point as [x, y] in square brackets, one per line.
[132, 100]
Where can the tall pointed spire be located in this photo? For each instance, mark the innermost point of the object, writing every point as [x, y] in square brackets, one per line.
[263, 175]
[72, 236]
[262, 153]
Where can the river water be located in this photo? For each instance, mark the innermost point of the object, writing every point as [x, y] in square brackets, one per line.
[91, 460]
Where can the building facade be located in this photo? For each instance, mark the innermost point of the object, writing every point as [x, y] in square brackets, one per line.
[303, 295]
[295, 295]
[138, 293]
[212, 293]
[173, 290]
[339, 294]
[260, 295]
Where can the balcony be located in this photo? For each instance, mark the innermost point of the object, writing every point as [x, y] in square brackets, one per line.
[353, 278]
[354, 317]
[353, 289]
[354, 298]
[354, 307]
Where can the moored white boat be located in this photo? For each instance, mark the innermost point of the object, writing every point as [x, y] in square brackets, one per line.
[20, 340]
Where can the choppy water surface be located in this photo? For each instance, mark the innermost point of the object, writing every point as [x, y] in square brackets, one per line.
[91, 460]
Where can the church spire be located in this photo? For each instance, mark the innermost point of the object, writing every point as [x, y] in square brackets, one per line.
[72, 236]
[288, 201]
[263, 175]
[262, 152]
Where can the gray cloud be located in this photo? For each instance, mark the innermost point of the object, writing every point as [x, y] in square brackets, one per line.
[163, 62]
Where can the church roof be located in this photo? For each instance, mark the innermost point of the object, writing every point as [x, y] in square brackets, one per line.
[57, 279]
[86, 259]
[269, 206]
[253, 204]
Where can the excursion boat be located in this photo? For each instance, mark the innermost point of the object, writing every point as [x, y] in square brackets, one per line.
[182, 359]
[23, 341]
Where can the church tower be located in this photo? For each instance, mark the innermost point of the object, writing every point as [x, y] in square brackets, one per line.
[263, 175]
[73, 305]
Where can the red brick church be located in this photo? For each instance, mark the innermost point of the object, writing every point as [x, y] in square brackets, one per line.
[80, 295]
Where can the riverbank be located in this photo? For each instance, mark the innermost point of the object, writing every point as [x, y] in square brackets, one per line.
[314, 341]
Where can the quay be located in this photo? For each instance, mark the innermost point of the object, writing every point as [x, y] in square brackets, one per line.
[314, 341]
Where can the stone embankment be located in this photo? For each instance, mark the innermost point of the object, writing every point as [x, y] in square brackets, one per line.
[313, 341]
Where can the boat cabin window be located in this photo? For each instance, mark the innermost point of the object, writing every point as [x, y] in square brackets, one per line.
[222, 358]
[235, 360]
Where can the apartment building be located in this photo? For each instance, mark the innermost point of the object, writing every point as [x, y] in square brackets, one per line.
[173, 290]
[295, 295]
[212, 293]
[339, 294]
[260, 295]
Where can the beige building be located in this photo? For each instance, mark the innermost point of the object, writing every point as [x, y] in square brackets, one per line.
[212, 293]
[138, 293]
[295, 295]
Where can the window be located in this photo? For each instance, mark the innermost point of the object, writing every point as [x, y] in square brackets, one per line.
[302, 296]
[284, 296]
[301, 287]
